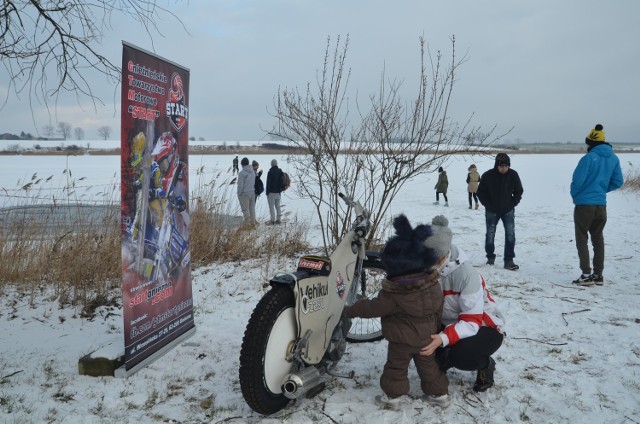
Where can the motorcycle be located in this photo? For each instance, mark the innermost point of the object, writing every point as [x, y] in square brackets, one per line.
[297, 333]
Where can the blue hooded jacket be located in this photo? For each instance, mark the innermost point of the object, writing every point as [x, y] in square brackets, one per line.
[597, 173]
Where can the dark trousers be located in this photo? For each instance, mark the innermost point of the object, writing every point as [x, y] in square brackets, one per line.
[590, 220]
[475, 197]
[509, 223]
[438, 196]
[473, 353]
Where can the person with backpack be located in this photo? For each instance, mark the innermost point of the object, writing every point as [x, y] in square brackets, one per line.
[259, 185]
[274, 190]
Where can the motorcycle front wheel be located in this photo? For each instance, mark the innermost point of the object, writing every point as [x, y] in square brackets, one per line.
[364, 330]
[270, 335]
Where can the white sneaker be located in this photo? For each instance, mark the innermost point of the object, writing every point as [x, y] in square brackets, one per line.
[386, 402]
[442, 401]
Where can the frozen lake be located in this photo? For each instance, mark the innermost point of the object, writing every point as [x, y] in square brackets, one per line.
[95, 180]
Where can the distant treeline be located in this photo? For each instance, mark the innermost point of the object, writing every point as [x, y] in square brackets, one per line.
[24, 136]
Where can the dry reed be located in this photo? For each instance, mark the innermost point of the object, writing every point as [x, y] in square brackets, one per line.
[632, 180]
[79, 259]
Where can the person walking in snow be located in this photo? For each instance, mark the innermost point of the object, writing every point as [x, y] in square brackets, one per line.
[235, 165]
[441, 187]
[473, 179]
[472, 324]
[410, 307]
[598, 172]
[246, 192]
[500, 191]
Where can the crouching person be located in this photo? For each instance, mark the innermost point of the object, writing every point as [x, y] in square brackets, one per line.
[410, 307]
[473, 324]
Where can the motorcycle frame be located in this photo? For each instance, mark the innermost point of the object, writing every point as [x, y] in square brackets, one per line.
[320, 300]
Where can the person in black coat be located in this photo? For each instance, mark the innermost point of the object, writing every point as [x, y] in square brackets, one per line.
[500, 191]
[273, 189]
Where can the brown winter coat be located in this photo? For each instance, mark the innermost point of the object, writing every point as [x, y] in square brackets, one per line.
[473, 179]
[410, 307]
[411, 310]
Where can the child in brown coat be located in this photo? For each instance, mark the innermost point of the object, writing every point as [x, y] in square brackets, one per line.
[410, 305]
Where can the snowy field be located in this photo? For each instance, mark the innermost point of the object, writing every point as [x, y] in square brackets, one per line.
[572, 354]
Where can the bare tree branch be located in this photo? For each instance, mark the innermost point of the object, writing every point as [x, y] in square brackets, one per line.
[393, 142]
[40, 39]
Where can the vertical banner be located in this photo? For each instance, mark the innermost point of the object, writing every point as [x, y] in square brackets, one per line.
[156, 260]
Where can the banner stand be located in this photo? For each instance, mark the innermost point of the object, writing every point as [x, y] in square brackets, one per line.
[157, 300]
[122, 372]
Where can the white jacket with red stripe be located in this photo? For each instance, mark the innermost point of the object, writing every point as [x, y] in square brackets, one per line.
[467, 302]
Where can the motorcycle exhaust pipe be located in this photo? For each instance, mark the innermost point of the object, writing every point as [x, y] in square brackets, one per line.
[304, 382]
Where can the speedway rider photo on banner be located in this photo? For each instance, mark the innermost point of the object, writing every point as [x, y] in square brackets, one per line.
[156, 261]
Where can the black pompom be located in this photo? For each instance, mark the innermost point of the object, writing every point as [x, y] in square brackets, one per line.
[405, 253]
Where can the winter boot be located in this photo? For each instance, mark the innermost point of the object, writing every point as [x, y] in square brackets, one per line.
[446, 204]
[477, 204]
[436, 202]
[470, 207]
[491, 261]
[511, 266]
[385, 402]
[585, 280]
[484, 378]
[442, 401]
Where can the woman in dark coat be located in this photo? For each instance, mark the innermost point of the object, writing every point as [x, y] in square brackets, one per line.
[441, 187]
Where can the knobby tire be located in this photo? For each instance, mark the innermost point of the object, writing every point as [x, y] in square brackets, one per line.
[253, 379]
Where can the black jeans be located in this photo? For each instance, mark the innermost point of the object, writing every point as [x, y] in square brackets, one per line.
[473, 353]
[590, 220]
[475, 197]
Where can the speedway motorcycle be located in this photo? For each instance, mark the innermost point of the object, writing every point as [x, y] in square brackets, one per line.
[297, 333]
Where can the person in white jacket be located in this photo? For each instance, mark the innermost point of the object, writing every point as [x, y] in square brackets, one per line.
[246, 192]
[473, 326]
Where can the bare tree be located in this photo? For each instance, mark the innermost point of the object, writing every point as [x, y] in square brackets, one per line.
[393, 141]
[104, 132]
[47, 130]
[79, 133]
[64, 129]
[39, 40]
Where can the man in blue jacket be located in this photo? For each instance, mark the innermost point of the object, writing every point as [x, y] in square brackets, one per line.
[597, 173]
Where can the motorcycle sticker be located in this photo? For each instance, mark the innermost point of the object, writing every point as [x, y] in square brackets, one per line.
[313, 297]
[340, 285]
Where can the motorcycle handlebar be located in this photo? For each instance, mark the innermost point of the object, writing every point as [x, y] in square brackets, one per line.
[353, 203]
[350, 202]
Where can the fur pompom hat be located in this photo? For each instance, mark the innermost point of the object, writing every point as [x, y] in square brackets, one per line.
[406, 253]
[596, 134]
[440, 241]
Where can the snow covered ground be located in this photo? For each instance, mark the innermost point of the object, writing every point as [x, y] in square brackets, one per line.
[572, 354]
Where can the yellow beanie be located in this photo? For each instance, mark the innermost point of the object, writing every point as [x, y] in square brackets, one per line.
[597, 134]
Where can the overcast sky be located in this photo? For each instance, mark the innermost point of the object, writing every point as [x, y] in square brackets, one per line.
[550, 68]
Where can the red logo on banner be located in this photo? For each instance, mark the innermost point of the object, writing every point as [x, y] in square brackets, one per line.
[177, 111]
